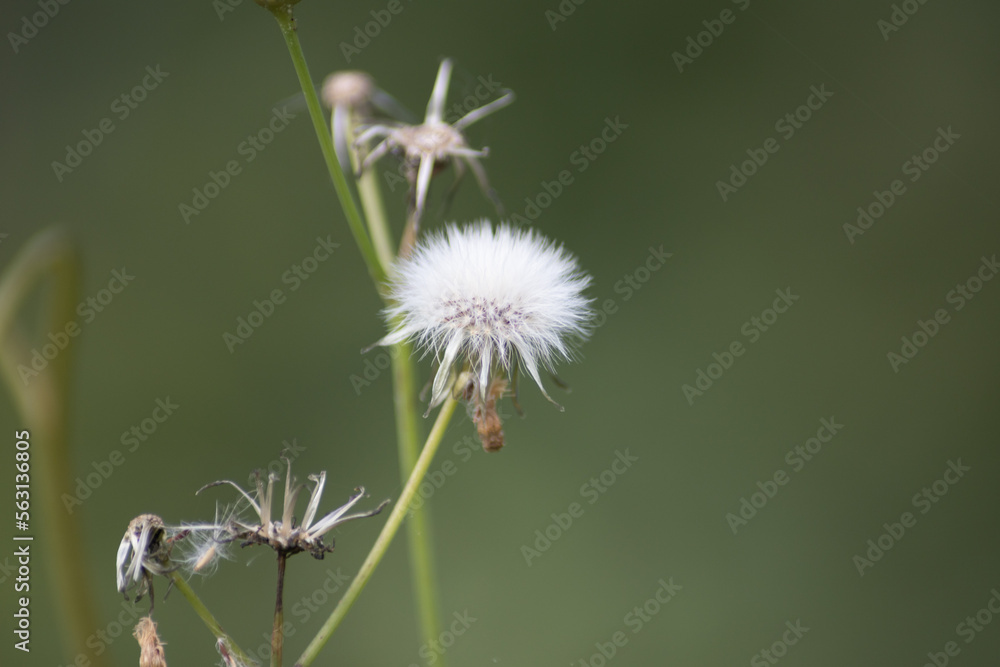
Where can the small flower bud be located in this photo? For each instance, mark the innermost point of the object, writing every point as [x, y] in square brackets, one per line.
[350, 89]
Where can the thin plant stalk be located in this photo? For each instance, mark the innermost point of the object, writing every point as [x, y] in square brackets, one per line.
[286, 21]
[44, 404]
[278, 633]
[207, 617]
[392, 524]
[418, 529]
[371, 200]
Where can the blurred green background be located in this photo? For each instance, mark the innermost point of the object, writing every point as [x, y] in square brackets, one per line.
[655, 185]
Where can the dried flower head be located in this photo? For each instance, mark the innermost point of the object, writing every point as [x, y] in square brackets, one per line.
[143, 552]
[282, 532]
[430, 146]
[496, 299]
[150, 647]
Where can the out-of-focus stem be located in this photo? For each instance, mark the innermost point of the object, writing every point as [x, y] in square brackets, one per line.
[43, 399]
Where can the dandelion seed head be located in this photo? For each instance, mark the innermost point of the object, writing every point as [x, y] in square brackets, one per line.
[494, 297]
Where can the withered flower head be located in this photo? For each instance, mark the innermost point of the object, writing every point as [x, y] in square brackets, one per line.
[281, 531]
[430, 146]
[143, 552]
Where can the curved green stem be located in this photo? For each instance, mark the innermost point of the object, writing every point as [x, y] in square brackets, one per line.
[287, 23]
[42, 397]
[385, 537]
[209, 620]
[418, 530]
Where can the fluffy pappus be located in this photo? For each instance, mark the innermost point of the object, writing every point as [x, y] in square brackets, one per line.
[498, 298]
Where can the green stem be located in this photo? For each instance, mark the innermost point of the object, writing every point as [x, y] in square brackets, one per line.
[209, 620]
[286, 21]
[419, 534]
[371, 201]
[418, 530]
[385, 537]
[379, 259]
[43, 399]
[404, 381]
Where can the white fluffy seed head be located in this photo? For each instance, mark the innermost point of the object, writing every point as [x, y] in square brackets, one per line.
[494, 297]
